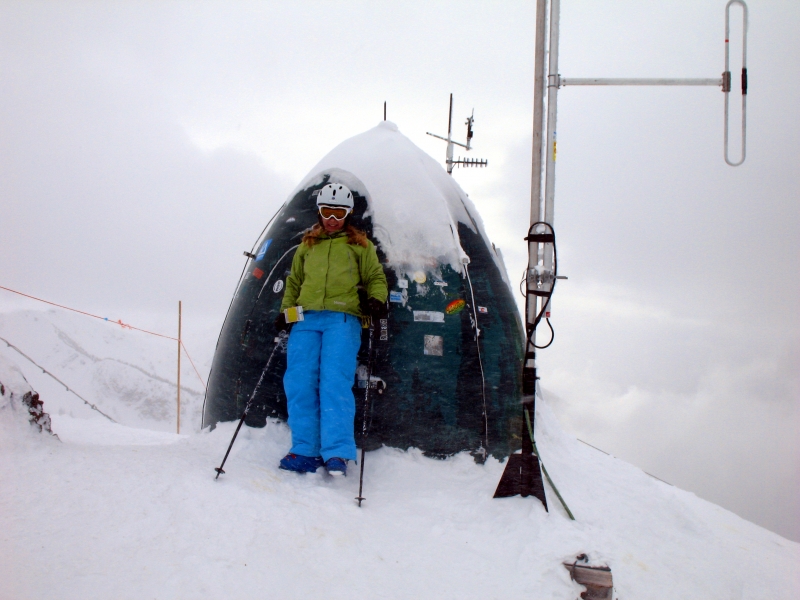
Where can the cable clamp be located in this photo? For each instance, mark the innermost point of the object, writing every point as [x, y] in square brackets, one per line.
[542, 238]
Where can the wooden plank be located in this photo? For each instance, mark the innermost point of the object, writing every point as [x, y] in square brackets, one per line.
[596, 580]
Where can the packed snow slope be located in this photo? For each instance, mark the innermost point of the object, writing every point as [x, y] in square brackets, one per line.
[111, 511]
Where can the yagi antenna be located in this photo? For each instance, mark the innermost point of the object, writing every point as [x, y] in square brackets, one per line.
[465, 162]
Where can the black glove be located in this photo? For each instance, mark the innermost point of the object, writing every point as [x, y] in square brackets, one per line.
[280, 322]
[377, 309]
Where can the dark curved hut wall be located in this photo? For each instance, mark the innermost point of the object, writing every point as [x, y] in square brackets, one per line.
[437, 384]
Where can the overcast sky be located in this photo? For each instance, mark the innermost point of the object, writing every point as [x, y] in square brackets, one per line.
[144, 145]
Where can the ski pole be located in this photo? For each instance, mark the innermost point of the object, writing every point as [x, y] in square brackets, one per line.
[360, 497]
[278, 343]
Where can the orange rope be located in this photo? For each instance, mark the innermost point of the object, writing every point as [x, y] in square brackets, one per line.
[117, 322]
[195, 368]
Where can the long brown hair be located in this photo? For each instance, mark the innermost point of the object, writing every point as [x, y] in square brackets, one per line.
[354, 236]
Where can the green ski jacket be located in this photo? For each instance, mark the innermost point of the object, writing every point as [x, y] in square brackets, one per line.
[325, 276]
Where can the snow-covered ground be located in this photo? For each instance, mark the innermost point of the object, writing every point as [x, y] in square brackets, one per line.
[133, 511]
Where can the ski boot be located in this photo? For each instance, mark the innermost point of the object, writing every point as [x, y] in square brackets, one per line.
[336, 466]
[301, 464]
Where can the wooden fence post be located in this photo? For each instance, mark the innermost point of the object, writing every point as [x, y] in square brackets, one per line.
[179, 366]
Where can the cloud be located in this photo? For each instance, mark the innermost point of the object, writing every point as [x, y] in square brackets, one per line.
[106, 198]
[685, 400]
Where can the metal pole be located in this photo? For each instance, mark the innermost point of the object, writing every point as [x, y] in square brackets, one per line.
[449, 138]
[531, 307]
[538, 114]
[179, 366]
[552, 107]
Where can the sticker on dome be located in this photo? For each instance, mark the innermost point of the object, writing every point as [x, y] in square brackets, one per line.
[429, 316]
[263, 250]
[433, 345]
[258, 273]
[483, 309]
[395, 297]
[278, 286]
[455, 307]
[402, 283]
[384, 329]
[420, 277]
[440, 283]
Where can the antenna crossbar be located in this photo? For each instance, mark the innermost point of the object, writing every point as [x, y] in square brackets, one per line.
[470, 162]
[446, 140]
[565, 81]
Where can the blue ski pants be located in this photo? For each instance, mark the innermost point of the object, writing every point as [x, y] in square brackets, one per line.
[320, 373]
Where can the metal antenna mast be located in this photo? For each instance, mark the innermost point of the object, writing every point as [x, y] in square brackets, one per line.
[522, 474]
[540, 274]
[466, 162]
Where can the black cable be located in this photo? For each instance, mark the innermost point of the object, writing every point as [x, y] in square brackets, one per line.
[480, 360]
[552, 336]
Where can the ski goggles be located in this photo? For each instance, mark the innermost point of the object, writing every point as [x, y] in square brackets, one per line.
[334, 212]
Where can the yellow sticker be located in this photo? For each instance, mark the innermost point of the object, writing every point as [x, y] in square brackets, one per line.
[420, 277]
[294, 314]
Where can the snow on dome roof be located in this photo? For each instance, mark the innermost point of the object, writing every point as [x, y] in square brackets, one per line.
[414, 204]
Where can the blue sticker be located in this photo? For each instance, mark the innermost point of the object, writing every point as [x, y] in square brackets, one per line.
[263, 250]
[395, 297]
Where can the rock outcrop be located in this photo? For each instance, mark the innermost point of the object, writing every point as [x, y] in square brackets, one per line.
[17, 396]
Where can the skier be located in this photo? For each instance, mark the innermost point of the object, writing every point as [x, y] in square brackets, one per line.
[332, 262]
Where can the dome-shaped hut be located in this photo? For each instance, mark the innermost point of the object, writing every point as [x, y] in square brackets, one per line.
[446, 370]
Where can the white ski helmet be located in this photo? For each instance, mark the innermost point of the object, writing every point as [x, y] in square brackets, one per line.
[335, 194]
